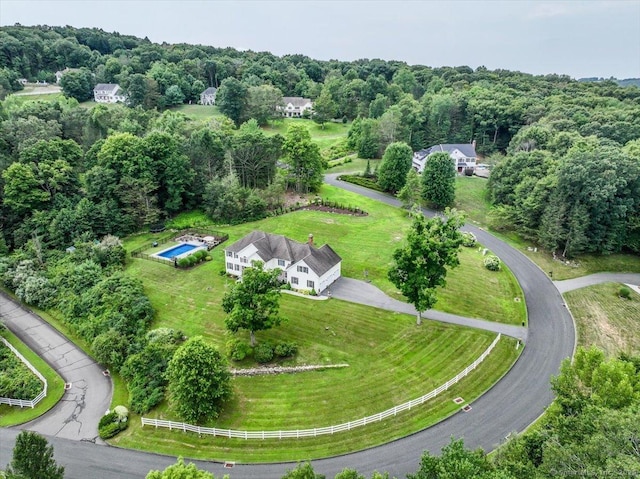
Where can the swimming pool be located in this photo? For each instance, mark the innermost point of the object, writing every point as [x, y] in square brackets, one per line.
[176, 250]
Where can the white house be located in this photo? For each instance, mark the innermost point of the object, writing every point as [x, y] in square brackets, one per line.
[109, 93]
[61, 73]
[303, 266]
[208, 97]
[463, 156]
[294, 106]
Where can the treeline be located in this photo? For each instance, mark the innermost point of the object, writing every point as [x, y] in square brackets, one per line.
[67, 171]
[571, 193]
[413, 103]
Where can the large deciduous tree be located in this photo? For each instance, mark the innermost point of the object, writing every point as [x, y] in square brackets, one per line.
[303, 158]
[198, 381]
[253, 303]
[420, 266]
[232, 99]
[439, 180]
[33, 458]
[395, 165]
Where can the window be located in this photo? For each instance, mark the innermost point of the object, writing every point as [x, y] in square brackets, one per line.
[303, 269]
[236, 267]
[235, 255]
[280, 262]
[229, 254]
[243, 259]
[310, 284]
[230, 266]
[294, 280]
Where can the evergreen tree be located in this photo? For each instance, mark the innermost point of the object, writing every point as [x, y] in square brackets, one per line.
[439, 180]
[33, 458]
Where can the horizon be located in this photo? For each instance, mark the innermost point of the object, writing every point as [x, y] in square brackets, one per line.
[588, 39]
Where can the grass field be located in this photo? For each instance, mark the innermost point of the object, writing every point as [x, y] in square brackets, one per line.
[11, 416]
[198, 112]
[400, 362]
[606, 320]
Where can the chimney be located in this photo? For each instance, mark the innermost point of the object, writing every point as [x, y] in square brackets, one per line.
[310, 240]
[474, 144]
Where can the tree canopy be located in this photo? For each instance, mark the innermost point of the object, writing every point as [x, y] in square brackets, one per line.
[420, 266]
[199, 381]
[254, 302]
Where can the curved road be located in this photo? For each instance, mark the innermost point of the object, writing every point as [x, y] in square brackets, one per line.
[511, 405]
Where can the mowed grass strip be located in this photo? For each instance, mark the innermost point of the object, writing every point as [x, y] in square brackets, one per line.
[247, 451]
[13, 415]
[606, 320]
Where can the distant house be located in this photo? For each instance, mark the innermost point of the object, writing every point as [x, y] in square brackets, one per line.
[303, 266]
[109, 93]
[463, 156]
[22, 81]
[61, 73]
[294, 106]
[208, 97]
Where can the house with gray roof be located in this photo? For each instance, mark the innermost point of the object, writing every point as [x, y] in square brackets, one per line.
[294, 106]
[463, 155]
[109, 93]
[208, 97]
[303, 265]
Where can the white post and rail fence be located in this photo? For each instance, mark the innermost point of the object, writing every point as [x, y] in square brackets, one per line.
[22, 402]
[298, 433]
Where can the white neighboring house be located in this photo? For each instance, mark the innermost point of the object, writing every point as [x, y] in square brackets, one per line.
[61, 73]
[208, 97]
[303, 266]
[463, 156]
[294, 106]
[109, 93]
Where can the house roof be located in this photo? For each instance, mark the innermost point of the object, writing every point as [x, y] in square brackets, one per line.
[271, 246]
[295, 100]
[209, 91]
[112, 87]
[467, 149]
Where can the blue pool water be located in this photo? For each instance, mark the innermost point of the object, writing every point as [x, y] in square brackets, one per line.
[177, 250]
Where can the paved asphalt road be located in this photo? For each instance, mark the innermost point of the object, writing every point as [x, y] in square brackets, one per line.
[570, 284]
[76, 416]
[511, 405]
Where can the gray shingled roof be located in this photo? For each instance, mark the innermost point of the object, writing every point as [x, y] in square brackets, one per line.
[271, 246]
[295, 100]
[209, 91]
[106, 86]
[467, 149]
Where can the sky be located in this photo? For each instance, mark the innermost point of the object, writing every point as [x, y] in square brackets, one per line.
[577, 38]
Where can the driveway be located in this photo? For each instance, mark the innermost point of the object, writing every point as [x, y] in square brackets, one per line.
[632, 279]
[76, 416]
[358, 291]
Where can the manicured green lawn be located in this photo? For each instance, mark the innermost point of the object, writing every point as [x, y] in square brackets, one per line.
[606, 320]
[472, 199]
[392, 361]
[198, 112]
[11, 416]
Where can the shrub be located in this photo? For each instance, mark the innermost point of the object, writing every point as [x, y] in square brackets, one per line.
[469, 239]
[207, 258]
[624, 292]
[285, 349]
[110, 425]
[238, 349]
[361, 181]
[492, 263]
[184, 262]
[263, 352]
